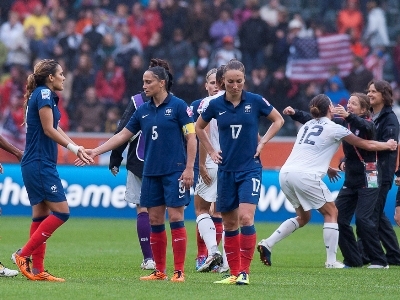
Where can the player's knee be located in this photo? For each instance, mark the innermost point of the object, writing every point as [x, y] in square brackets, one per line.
[62, 216]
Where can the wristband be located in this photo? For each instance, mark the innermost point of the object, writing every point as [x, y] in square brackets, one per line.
[73, 148]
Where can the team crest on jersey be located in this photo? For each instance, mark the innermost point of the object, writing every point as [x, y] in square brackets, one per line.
[45, 93]
[247, 108]
[168, 112]
[266, 101]
[189, 112]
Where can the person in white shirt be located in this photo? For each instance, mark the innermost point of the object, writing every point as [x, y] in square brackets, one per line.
[301, 176]
[205, 193]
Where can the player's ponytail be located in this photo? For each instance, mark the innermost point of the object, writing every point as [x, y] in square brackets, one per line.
[319, 106]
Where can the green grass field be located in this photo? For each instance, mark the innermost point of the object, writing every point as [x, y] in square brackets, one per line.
[100, 259]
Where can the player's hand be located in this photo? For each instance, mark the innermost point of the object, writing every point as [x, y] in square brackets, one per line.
[114, 170]
[289, 111]
[216, 156]
[85, 157]
[397, 181]
[397, 215]
[260, 146]
[187, 178]
[204, 175]
[333, 174]
[341, 111]
[392, 144]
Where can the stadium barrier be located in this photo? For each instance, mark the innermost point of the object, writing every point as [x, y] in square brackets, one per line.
[94, 192]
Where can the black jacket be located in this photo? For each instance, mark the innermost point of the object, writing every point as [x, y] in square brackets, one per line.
[387, 127]
[133, 164]
[362, 127]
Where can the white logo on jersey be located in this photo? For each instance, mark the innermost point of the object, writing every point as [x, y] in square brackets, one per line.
[144, 116]
[53, 189]
[168, 112]
[247, 108]
[45, 93]
[221, 113]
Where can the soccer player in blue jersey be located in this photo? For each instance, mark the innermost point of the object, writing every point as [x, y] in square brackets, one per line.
[167, 125]
[43, 184]
[134, 166]
[239, 171]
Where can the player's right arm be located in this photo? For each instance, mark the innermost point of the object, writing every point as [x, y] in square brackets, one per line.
[370, 145]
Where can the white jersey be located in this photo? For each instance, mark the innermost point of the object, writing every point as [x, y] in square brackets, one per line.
[214, 135]
[316, 143]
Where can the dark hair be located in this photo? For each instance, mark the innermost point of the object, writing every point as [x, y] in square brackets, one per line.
[385, 89]
[41, 72]
[234, 64]
[319, 106]
[364, 102]
[157, 62]
[219, 76]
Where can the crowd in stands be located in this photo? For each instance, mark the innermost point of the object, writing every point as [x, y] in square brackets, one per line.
[104, 46]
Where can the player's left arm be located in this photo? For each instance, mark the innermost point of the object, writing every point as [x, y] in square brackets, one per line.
[277, 122]
[187, 176]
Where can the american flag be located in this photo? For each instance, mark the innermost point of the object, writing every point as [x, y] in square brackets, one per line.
[313, 58]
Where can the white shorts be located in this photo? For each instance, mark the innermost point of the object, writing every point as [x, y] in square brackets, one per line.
[133, 187]
[305, 190]
[208, 192]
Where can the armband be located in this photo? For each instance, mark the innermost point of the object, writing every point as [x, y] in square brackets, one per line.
[188, 128]
[73, 148]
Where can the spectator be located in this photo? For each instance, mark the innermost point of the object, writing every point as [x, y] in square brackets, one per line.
[243, 13]
[396, 58]
[13, 37]
[259, 81]
[84, 76]
[228, 51]
[110, 84]
[202, 61]
[38, 19]
[155, 48]
[350, 18]
[187, 87]
[66, 93]
[336, 91]
[24, 8]
[13, 85]
[112, 118]
[133, 75]
[376, 32]
[94, 32]
[375, 62]
[45, 47]
[139, 26]
[224, 26]
[269, 12]
[90, 113]
[254, 37]
[70, 41]
[152, 16]
[107, 47]
[358, 78]
[129, 47]
[179, 53]
[198, 24]
[173, 16]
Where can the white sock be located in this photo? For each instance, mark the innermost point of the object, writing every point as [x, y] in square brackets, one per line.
[224, 259]
[331, 238]
[284, 230]
[208, 233]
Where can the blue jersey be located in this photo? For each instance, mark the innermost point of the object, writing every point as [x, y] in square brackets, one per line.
[238, 129]
[162, 127]
[38, 145]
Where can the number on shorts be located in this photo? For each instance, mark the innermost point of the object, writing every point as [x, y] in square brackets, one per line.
[256, 185]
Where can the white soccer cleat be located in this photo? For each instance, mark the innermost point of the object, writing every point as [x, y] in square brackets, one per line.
[210, 262]
[148, 264]
[335, 265]
[5, 272]
[378, 267]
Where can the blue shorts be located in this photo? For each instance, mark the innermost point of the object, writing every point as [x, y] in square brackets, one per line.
[42, 182]
[238, 187]
[163, 190]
